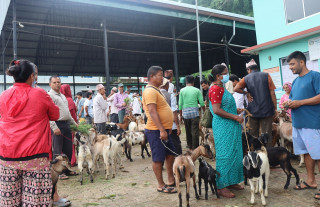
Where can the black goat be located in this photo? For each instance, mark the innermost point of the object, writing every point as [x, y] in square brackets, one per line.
[208, 174]
[279, 156]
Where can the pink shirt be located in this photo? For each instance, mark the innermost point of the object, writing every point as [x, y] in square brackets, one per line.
[119, 100]
[283, 99]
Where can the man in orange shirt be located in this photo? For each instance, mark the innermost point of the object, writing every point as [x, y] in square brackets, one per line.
[158, 128]
[263, 105]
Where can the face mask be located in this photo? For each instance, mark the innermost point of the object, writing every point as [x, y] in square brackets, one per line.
[225, 78]
[34, 83]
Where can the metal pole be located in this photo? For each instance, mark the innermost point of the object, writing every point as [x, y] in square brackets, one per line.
[106, 56]
[4, 69]
[74, 85]
[199, 46]
[175, 58]
[227, 55]
[14, 30]
[138, 83]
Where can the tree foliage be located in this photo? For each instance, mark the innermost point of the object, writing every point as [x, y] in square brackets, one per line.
[235, 6]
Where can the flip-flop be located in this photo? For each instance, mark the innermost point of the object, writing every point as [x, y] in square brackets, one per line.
[167, 189]
[62, 202]
[298, 187]
[63, 177]
[317, 194]
[172, 185]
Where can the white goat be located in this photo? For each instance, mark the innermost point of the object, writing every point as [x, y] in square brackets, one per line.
[133, 127]
[257, 166]
[111, 152]
[84, 155]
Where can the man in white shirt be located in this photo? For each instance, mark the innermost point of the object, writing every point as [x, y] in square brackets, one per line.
[241, 99]
[100, 106]
[113, 111]
[169, 75]
[88, 108]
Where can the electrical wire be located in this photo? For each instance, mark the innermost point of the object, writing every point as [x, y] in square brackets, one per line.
[121, 33]
[118, 49]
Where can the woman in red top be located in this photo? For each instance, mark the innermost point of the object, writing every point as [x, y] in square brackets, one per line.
[25, 140]
[66, 91]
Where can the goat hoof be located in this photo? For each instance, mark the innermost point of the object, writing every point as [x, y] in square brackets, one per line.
[149, 155]
[81, 182]
[142, 157]
[131, 160]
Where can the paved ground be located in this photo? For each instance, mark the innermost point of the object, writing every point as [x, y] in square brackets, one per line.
[135, 185]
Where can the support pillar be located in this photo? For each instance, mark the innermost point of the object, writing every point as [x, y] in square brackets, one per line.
[175, 58]
[226, 54]
[14, 30]
[74, 85]
[199, 45]
[138, 83]
[106, 56]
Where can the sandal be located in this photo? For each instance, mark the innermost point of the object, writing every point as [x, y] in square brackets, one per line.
[307, 186]
[63, 177]
[167, 189]
[172, 185]
[317, 196]
[235, 187]
[62, 202]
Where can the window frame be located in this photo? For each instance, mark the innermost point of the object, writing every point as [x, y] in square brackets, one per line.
[303, 9]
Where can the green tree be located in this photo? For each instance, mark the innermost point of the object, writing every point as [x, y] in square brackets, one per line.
[235, 6]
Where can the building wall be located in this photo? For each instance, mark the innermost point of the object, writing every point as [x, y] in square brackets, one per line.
[270, 21]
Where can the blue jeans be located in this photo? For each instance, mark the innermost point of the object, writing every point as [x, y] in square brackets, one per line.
[121, 114]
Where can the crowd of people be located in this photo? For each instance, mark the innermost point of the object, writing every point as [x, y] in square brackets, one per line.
[35, 125]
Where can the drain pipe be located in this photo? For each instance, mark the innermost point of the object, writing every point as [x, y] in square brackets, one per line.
[234, 31]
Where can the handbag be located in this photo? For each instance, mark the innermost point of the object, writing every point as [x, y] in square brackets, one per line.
[206, 119]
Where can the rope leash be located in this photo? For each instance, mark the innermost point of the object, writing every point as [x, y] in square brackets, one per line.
[168, 148]
[247, 126]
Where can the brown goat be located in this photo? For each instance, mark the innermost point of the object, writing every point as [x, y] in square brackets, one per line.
[184, 170]
[59, 165]
[124, 125]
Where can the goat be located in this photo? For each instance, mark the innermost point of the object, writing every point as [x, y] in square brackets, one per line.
[209, 139]
[208, 174]
[133, 127]
[275, 134]
[59, 165]
[138, 138]
[84, 155]
[183, 169]
[124, 125]
[279, 156]
[140, 123]
[285, 130]
[258, 170]
[127, 145]
[111, 151]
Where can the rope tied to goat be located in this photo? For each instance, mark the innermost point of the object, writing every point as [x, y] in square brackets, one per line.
[247, 126]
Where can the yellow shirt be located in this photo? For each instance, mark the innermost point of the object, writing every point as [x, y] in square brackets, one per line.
[154, 96]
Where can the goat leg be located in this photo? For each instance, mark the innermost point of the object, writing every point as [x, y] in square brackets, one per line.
[199, 181]
[177, 179]
[295, 174]
[188, 191]
[142, 149]
[214, 184]
[260, 183]
[206, 188]
[252, 186]
[146, 148]
[90, 166]
[195, 187]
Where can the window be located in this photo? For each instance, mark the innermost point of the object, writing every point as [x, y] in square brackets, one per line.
[298, 9]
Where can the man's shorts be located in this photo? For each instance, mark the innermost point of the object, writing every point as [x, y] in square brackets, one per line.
[159, 152]
[306, 141]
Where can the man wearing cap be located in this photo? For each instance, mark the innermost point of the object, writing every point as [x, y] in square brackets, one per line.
[114, 110]
[262, 103]
[119, 102]
[100, 106]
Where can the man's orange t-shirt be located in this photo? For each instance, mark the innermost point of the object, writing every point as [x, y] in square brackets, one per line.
[154, 96]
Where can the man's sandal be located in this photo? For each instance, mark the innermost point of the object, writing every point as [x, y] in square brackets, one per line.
[317, 196]
[307, 186]
[167, 189]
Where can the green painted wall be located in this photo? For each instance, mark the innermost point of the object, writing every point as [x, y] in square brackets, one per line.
[270, 21]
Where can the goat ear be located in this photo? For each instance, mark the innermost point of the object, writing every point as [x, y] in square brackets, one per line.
[77, 135]
[246, 162]
[259, 162]
[53, 161]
